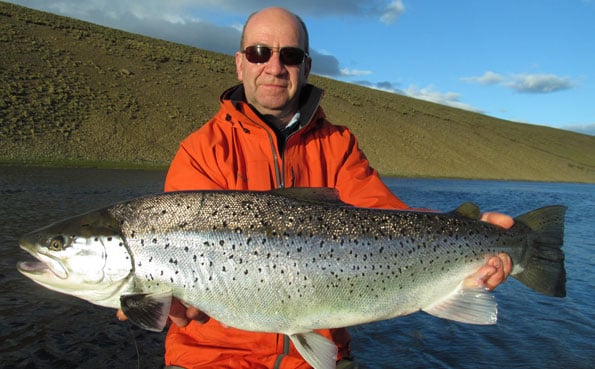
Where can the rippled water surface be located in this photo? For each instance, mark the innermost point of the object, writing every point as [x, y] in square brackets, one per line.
[44, 329]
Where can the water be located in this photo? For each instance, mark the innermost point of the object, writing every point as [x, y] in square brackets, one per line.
[44, 329]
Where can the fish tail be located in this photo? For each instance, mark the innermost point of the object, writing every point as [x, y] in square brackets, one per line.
[543, 260]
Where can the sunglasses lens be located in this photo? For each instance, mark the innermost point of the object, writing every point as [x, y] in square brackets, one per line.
[258, 54]
[291, 55]
[261, 54]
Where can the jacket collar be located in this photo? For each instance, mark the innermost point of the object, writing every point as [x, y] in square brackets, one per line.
[310, 99]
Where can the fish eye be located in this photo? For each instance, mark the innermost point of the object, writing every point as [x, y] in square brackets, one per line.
[57, 243]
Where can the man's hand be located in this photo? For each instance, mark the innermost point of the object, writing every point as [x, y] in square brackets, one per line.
[493, 273]
[498, 268]
[179, 314]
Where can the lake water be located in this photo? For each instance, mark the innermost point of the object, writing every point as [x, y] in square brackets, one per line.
[44, 329]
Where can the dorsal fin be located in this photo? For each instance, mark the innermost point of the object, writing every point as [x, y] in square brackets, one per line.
[468, 210]
[313, 195]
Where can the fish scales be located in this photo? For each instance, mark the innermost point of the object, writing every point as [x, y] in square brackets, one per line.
[289, 261]
[246, 260]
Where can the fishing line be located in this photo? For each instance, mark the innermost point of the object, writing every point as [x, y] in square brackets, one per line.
[129, 326]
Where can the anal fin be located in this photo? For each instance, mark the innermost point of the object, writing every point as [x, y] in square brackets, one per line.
[467, 305]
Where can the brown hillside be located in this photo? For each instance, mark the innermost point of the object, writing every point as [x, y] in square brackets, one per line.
[74, 93]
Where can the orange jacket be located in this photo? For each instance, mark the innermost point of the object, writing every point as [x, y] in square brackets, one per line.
[237, 150]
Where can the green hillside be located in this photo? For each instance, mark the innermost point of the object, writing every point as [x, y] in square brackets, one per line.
[74, 93]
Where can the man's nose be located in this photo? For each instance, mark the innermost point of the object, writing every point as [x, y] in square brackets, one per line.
[274, 65]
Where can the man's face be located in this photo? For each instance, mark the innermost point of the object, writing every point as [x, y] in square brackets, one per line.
[272, 87]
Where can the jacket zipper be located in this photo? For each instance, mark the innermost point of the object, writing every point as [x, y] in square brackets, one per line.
[279, 175]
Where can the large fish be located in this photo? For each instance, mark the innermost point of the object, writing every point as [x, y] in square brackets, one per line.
[289, 261]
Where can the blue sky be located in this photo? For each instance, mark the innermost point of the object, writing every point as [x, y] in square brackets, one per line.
[529, 61]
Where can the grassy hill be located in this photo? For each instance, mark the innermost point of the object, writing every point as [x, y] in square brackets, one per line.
[74, 93]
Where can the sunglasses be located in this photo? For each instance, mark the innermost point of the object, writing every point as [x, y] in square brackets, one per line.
[261, 54]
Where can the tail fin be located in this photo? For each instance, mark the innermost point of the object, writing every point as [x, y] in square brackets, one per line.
[543, 261]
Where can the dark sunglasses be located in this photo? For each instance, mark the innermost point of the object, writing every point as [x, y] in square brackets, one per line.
[261, 54]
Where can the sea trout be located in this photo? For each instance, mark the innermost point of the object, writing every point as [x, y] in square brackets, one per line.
[289, 261]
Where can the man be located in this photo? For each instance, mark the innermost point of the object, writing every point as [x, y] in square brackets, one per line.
[271, 133]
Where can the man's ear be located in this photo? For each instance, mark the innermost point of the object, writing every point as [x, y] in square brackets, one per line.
[307, 67]
[240, 65]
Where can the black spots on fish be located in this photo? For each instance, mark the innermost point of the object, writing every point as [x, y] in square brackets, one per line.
[183, 225]
[167, 245]
[173, 261]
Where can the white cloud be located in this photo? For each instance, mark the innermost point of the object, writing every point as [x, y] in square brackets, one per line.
[538, 83]
[346, 72]
[488, 78]
[588, 129]
[524, 83]
[445, 98]
[393, 11]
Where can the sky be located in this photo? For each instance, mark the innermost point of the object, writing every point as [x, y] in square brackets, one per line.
[530, 61]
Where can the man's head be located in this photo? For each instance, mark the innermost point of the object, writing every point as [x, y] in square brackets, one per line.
[273, 87]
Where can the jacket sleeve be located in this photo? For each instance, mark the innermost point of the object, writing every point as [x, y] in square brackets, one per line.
[359, 184]
[192, 167]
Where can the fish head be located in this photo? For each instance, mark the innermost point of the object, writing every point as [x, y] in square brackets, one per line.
[85, 256]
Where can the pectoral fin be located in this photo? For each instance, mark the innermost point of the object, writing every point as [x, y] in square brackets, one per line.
[147, 310]
[467, 305]
[317, 350]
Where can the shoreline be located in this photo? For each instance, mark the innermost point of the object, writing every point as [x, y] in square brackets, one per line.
[113, 165]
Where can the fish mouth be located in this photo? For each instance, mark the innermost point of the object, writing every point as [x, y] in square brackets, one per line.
[32, 267]
[45, 265]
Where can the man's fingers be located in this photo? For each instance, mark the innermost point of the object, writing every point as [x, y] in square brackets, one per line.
[195, 314]
[478, 278]
[181, 315]
[120, 315]
[177, 313]
[506, 264]
[499, 219]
